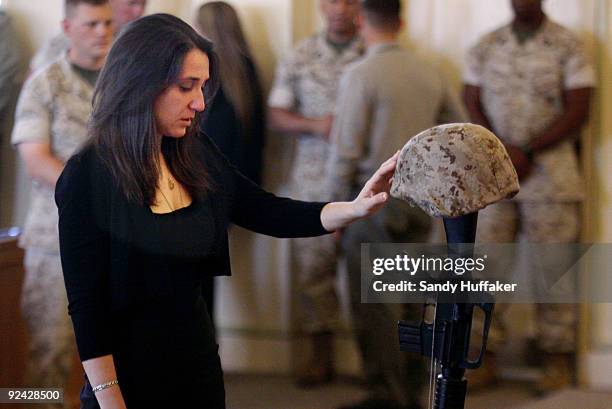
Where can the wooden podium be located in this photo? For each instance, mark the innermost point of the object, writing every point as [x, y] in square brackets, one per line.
[13, 333]
[12, 327]
[13, 330]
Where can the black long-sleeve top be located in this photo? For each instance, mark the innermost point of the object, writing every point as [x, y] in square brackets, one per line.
[96, 226]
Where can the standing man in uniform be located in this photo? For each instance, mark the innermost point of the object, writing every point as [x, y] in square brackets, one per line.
[124, 12]
[384, 99]
[302, 103]
[530, 83]
[50, 125]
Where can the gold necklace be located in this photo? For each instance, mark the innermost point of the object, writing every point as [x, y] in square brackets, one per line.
[166, 199]
[168, 202]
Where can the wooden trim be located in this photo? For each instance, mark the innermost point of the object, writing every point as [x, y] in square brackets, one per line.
[12, 327]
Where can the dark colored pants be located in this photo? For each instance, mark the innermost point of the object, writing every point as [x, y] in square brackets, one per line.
[88, 398]
[390, 374]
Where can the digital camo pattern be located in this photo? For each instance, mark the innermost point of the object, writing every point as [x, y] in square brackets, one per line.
[522, 86]
[44, 306]
[54, 107]
[307, 83]
[314, 259]
[455, 169]
[532, 222]
[50, 52]
[522, 89]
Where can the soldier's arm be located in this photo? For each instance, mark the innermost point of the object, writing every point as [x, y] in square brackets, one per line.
[578, 83]
[287, 121]
[476, 60]
[40, 162]
[284, 98]
[471, 99]
[576, 105]
[32, 131]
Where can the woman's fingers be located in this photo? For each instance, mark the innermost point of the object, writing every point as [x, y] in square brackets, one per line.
[391, 162]
[377, 201]
[372, 203]
[381, 179]
[384, 171]
[380, 198]
[388, 167]
[376, 190]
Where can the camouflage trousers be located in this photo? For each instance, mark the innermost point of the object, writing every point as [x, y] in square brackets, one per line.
[314, 262]
[314, 258]
[44, 307]
[531, 222]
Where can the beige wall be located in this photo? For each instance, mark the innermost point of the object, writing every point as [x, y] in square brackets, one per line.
[601, 362]
[603, 154]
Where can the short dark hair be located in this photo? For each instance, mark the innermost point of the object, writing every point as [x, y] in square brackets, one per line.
[147, 58]
[70, 5]
[382, 14]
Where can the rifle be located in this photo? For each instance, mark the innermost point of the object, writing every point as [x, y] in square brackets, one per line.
[447, 339]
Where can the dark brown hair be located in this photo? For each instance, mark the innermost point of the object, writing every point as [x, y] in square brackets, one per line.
[145, 60]
[382, 14]
[219, 22]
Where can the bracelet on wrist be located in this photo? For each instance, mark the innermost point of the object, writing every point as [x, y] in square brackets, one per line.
[105, 385]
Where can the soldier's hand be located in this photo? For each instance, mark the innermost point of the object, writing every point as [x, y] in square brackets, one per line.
[322, 126]
[520, 161]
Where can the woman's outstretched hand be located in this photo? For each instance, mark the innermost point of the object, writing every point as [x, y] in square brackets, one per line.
[372, 197]
[376, 190]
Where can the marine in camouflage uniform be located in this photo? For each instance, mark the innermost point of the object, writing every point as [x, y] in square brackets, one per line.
[522, 83]
[51, 50]
[306, 82]
[53, 108]
[124, 11]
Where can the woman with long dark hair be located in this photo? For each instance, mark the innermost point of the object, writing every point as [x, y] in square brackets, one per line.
[143, 217]
[236, 120]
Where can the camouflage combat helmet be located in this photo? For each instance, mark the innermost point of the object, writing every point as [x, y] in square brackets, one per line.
[455, 169]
